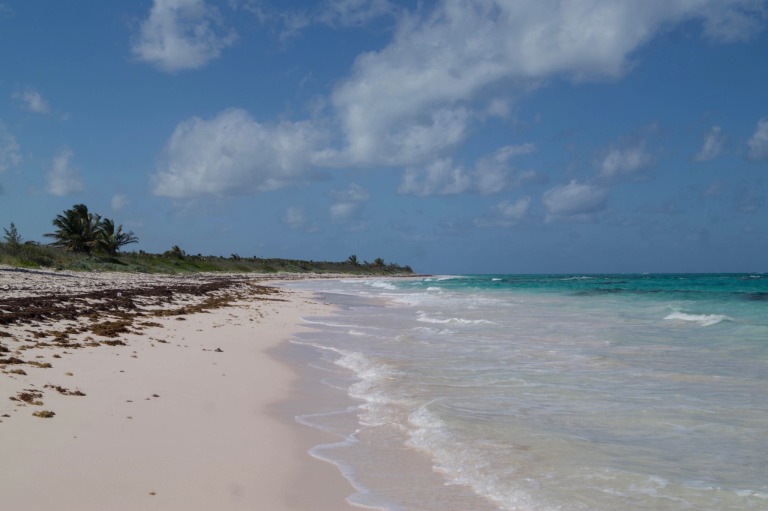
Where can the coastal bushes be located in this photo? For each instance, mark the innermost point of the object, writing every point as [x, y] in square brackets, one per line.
[83, 241]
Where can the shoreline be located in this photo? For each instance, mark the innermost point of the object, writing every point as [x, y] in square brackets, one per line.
[183, 415]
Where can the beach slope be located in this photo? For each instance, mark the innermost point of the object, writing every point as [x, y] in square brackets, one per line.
[158, 404]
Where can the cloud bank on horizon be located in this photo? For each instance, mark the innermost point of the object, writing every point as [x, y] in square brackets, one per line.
[457, 106]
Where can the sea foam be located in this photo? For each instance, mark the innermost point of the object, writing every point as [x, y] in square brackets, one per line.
[700, 319]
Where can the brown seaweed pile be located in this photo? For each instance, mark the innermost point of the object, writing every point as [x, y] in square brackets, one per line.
[87, 317]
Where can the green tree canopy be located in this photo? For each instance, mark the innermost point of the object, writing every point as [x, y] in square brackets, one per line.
[79, 230]
[109, 239]
[76, 229]
[12, 236]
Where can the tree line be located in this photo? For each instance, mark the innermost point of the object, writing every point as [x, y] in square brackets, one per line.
[79, 233]
[79, 230]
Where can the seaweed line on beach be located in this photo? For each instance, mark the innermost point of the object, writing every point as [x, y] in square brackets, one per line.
[88, 317]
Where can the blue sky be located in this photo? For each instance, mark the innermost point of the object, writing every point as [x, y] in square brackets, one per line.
[456, 136]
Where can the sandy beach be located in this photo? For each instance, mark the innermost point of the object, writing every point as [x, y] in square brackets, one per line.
[161, 393]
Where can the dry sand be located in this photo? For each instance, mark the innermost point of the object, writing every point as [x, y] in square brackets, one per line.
[175, 419]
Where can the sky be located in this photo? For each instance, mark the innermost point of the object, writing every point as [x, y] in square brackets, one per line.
[454, 136]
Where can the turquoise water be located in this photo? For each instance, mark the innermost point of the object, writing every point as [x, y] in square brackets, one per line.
[547, 392]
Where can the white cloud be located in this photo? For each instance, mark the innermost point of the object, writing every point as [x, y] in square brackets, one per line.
[506, 213]
[625, 161]
[119, 202]
[758, 142]
[232, 154]
[441, 177]
[355, 193]
[488, 176]
[491, 172]
[349, 203]
[9, 149]
[296, 218]
[574, 201]
[344, 211]
[348, 13]
[64, 178]
[181, 34]
[33, 101]
[735, 21]
[712, 146]
[526, 177]
[449, 65]
[334, 13]
[413, 100]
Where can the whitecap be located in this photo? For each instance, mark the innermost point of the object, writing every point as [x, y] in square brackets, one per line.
[382, 285]
[701, 319]
[458, 321]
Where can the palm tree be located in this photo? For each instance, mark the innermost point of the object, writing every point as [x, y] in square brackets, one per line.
[76, 229]
[175, 252]
[110, 239]
[353, 260]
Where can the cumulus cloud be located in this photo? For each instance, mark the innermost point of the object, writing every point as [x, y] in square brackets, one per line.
[712, 145]
[32, 101]
[416, 98]
[489, 175]
[232, 154]
[449, 66]
[574, 201]
[64, 178]
[758, 142]
[624, 161]
[441, 177]
[349, 203]
[181, 34]
[10, 156]
[506, 213]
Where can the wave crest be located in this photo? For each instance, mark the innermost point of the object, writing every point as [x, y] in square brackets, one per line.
[700, 319]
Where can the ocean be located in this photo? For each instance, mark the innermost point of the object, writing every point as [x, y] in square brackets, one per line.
[545, 392]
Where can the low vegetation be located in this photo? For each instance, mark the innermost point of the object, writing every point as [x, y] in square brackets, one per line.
[85, 241]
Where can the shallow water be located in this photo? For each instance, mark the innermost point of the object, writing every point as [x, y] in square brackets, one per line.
[547, 392]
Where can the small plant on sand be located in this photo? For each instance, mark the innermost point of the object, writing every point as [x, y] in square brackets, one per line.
[111, 328]
[64, 391]
[44, 414]
[41, 365]
[30, 397]
[114, 343]
[12, 360]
